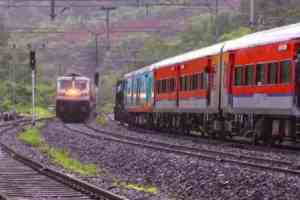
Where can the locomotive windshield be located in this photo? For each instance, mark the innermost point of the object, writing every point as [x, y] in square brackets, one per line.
[81, 84]
[65, 84]
[68, 83]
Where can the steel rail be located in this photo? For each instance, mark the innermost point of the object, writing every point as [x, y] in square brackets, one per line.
[209, 155]
[71, 182]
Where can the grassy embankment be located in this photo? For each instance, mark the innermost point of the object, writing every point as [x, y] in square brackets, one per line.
[61, 157]
[41, 112]
[33, 137]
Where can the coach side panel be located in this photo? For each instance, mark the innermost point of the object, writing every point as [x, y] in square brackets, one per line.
[263, 80]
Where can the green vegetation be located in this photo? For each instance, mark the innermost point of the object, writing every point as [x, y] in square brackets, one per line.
[63, 158]
[106, 108]
[138, 187]
[142, 188]
[101, 120]
[41, 112]
[236, 33]
[33, 137]
[21, 98]
[107, 87]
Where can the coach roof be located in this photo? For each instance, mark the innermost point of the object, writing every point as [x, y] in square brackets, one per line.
[270, 36]
[207, 51]
[200, 53]
[280, 34]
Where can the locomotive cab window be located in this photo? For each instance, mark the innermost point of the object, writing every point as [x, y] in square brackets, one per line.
[239, 76]
[81, 84]
[65, 84]
[285, 72]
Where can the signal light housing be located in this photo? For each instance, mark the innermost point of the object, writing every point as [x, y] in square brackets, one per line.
[96, 79]
[32, 60]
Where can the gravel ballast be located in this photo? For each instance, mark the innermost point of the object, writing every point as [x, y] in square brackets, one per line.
[175, 176]
[197, 142]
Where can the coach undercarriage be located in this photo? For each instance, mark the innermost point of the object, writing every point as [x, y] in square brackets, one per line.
[266, 129]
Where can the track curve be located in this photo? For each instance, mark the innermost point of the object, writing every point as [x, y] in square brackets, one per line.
[21, 177]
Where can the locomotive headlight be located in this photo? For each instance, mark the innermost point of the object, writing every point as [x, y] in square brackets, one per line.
[72, 92]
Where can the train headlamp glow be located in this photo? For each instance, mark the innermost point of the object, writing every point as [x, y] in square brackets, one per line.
[72, 92]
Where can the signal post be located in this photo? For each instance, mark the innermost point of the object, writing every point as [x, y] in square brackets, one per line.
[33, 73]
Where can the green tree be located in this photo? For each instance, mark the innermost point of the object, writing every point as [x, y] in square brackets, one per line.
[236, 33]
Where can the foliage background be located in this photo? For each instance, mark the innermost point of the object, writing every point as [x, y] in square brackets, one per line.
[130, 51]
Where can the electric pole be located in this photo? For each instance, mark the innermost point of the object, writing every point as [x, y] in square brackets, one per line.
[147, 9]
[96, 41]
[107, 20]
[33, 82]
[252, 20]
[217, 21]
[52, 14]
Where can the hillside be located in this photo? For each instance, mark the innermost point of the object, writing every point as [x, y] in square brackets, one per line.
[138, 35]
[76, 45]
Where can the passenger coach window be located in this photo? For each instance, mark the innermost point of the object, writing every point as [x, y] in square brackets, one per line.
[260, 73]
[272, 73]
[238, 76]
[205, 80]
[200, 81]
[164, 86]
[194, 82]
[285, 72]
[186, 82]
[160, 86]
[249, 75]
[181, 83]
[172, 84]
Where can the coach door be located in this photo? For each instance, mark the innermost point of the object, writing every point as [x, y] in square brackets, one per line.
[208, 81]
[297, 77]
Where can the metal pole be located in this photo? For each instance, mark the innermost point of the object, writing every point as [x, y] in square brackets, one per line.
[59, 70]
[217, 21]
[147, 9]
[96, 41]
[9, 80]
[33, 95]
[96, 96]
[14, 83]
[107, 28]
[252, 20]
[52, 15]
[97, 61]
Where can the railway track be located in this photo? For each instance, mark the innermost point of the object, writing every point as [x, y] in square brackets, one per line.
[210, 155]
[22, 178]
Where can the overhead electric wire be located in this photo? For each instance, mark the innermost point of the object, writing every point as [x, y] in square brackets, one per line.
[96, 2]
